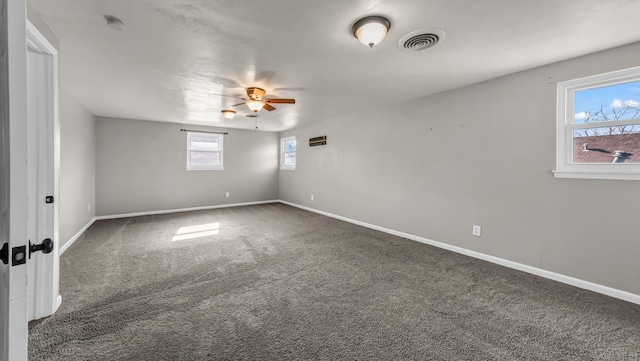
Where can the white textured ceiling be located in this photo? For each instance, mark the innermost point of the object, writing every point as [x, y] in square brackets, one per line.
[176, 55]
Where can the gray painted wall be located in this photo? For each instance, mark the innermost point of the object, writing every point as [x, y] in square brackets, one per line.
[77, 166]
[141, 166]
[481, 154]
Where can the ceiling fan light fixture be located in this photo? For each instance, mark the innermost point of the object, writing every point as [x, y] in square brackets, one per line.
[228, 114]
[255, 105]
[371, 30]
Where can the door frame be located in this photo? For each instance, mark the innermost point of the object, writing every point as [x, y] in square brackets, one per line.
[44, 137]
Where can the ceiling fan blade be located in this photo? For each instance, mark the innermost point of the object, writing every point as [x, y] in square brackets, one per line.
[236, 96]
[280, 101]
[235, 105]
[268, 107]
[226, 82]
[293, 88]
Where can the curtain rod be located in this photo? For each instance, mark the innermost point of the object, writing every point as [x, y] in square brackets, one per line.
[202, 131]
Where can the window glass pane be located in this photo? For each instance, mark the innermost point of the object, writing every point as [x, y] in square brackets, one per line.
[607, 144]
[607, 103]
[290, 146]
[204, 143]
[205, 158]
[290, 159]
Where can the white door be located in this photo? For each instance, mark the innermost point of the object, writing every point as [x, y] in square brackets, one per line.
[4, 186]
[43, 131]
[13, 180]
[5, 247]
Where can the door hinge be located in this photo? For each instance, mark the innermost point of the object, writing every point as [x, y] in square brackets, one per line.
[4, 253]
[48, 199]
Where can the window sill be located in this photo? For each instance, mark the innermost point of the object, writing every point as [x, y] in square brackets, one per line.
[192, 168]
[595, 175]
[287, 168]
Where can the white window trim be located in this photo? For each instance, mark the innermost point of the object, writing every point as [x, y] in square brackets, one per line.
[282, 153]
[565, 168]
[205, 167]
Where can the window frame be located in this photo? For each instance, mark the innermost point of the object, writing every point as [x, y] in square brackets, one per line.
[220, 138]
[565, 168]
[283, 153]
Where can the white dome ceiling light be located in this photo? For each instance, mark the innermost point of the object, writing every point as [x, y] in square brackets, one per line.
[228, 114]
[371, 30]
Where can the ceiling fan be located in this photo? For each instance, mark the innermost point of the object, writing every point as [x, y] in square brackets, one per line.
[256, 100]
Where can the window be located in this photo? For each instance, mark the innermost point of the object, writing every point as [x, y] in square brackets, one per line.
[599, 126]
[204, 151]
[288, 153]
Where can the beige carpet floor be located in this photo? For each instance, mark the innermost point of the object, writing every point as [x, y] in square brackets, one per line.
[272, 282]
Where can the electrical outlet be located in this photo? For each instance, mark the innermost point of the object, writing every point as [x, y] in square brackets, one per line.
[312, 197]
[477, 230]
[226, 194]
[89, 207]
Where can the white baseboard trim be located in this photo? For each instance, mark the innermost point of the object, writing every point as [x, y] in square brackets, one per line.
[605, 290]
[76, 236]
[149, 213]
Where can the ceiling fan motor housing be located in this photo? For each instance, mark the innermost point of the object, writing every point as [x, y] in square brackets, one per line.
[255, 93]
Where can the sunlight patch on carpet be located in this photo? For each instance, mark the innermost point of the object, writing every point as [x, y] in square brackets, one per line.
[201, 230]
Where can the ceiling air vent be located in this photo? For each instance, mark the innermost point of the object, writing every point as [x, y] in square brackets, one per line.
[421, 39]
